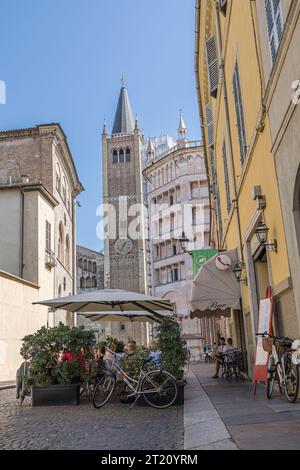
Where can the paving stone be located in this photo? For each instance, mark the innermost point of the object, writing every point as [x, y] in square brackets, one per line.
[254, 422]
[204, 433]
[113, 427]
[283, 407]
[193, 417]
[227, 444]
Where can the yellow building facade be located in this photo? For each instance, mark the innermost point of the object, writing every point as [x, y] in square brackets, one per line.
[242, 174]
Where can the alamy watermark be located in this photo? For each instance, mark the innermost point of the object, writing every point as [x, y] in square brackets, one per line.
[2, 92]
[123, 219]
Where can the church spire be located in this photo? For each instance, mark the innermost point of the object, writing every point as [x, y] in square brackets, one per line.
[124, 120]
[182, 134]
[150, 150]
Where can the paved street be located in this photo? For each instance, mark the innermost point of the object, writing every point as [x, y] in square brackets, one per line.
[115, 427]
[252, 422]
[218, 415]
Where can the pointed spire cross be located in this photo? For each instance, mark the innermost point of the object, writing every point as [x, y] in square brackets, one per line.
[124, 118]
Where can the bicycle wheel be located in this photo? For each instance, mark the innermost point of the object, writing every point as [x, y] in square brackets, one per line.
[291, 385]
[229, 371]
[103, 391]
[270, 377]
[159, 389]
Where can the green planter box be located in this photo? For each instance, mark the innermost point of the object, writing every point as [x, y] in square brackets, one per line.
[56, 395]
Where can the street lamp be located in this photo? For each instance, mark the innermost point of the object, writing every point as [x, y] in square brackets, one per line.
[184, 241]
[262, 233]
[262, 236]
[237, 271]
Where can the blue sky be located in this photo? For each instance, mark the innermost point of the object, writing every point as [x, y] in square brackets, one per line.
[62, 61]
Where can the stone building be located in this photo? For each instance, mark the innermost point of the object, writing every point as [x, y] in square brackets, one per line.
[90, 269]
[90, 276]
[38, 187]
[178, 201]
[125, 251]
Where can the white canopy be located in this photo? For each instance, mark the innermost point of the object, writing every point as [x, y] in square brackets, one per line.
[113, 304]
[215, 290]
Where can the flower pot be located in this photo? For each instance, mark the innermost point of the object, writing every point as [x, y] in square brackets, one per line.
[56, 395]
[180, 394]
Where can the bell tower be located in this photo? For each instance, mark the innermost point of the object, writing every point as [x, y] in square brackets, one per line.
[125, 237]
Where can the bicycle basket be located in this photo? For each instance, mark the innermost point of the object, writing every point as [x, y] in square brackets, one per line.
[267, 344]
[111, 360]
[282, 345]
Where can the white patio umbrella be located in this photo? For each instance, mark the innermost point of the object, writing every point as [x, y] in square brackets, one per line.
[113, 305]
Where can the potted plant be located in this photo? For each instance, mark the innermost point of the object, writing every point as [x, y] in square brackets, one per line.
[134, 361]
[55, 381]
[173, 353]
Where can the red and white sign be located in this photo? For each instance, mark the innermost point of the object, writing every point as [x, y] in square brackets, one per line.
[223, 262]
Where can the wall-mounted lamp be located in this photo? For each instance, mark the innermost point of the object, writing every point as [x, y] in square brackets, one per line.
[184, 242]
[237, 271]
[262, 236]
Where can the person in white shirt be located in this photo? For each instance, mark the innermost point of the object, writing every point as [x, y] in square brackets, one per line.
[219, 356]
[228, 350]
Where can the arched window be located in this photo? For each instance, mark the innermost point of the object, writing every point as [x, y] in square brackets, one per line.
[64, 190]
[58, 178]
[154, 180]
[127, 155]
[172, 171]
[90, 269]
[80, 262]
[163, 175]
[68, 201]
[85, 265]
[61, 243]
[94, 282]
[67, 253]
[88, 282]
[94, 267]
[59, 290]
[115, 156]
[158, 178]
[121, 156]
[82, 283]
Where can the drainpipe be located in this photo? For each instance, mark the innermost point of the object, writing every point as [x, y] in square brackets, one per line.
[22, 203]
[74, 253]
[224, 84]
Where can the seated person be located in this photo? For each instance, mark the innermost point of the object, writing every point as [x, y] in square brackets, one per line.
[155, 354]
[219, 357]
[228, 351]
[131, 346]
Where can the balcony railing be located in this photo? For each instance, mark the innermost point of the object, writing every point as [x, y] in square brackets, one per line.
[50, 259]
[185, 145]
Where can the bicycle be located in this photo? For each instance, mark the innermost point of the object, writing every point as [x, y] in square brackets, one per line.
[283, 365]
[157, 387]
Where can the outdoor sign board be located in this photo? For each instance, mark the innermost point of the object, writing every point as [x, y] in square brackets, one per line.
[200, 257]
[264, 326]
